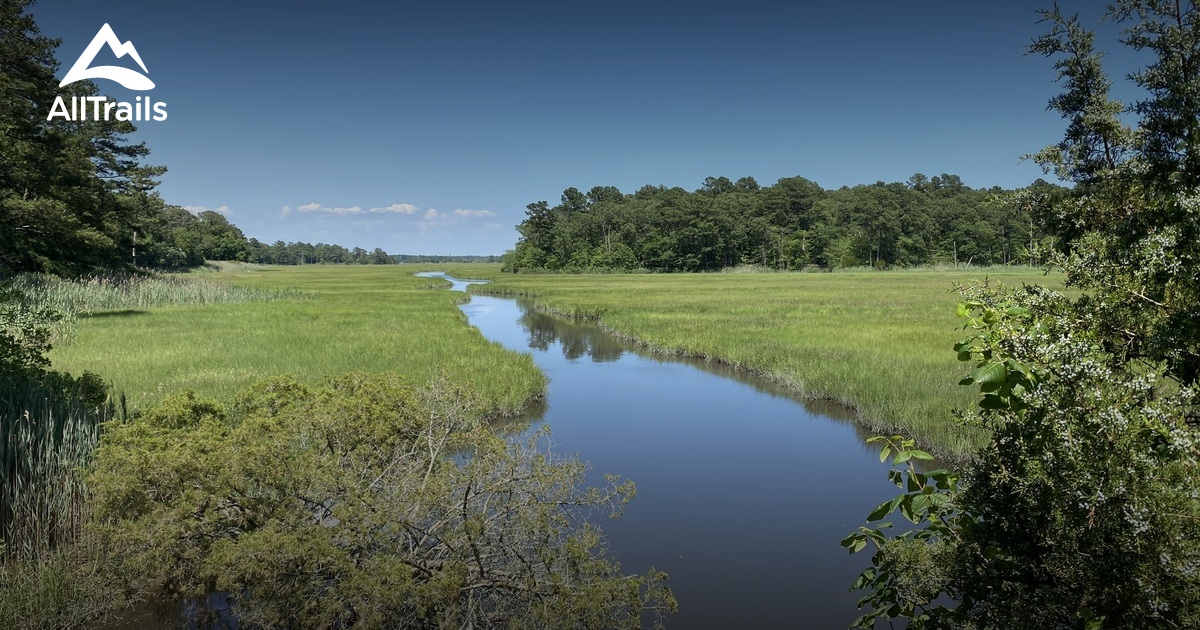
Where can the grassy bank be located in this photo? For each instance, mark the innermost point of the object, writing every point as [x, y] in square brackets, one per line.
[338, 319]
[879, 342]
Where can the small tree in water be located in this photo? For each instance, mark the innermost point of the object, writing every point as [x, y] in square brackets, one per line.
[1083, 509]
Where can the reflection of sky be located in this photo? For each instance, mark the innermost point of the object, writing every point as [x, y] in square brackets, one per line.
[743, 493]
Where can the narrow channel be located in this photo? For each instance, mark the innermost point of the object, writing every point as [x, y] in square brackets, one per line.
[744, 492]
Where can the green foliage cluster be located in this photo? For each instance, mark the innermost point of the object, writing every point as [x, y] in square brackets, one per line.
[73, 195]
[1082, 510]
[298, 253]
[794, 224]
[361, 503]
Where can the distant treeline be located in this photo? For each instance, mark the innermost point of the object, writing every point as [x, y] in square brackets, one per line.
[281, 253]
[791, 225]
[188, 240]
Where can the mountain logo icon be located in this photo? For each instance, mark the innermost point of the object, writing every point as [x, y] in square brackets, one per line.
[131, 79]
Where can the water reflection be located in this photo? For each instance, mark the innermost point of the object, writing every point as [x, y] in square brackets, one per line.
[578, 339]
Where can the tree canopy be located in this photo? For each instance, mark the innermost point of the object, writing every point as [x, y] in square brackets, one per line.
[793, 224]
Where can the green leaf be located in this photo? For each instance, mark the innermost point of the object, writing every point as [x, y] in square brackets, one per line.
[990, 373]
[883, 510]
[992, 401]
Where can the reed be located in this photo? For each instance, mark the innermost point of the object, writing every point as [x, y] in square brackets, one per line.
[48, 429]
[91, 296]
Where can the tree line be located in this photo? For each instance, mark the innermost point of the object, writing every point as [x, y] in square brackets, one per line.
[794, 224]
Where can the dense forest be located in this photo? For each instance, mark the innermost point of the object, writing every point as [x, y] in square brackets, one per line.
[793, 224]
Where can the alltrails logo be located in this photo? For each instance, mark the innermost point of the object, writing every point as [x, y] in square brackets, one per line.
[100, 107]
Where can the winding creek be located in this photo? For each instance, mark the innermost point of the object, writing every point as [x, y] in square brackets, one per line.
[744, 492]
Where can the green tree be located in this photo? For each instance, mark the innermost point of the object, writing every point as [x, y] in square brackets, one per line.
[1082, 510]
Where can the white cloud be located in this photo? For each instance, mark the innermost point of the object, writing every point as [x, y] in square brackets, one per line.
[396, 208]
[401, 208]
[316, 207]
[222, 209]
[463, 212]
[430, 218]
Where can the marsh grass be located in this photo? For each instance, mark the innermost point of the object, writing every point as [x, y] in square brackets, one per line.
[126, 294]
[878, 342]
[370, 318]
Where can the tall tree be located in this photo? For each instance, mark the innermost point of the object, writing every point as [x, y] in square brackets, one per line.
[1082, 512]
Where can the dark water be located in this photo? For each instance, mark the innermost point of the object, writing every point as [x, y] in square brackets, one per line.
[743, 492]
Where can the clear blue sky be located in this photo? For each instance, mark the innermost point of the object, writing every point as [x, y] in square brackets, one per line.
[482, 108]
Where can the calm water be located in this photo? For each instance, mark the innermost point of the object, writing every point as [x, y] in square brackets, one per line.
[743, 492]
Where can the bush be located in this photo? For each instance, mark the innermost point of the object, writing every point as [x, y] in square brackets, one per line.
[364, 503]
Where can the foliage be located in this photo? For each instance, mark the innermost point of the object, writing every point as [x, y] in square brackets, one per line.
[24, 334]
[908, 569]
[49, 425]
[790, 225]
[298, 253]
[363, 503]
[1082, 510]
[70, 587]
[73, 195]
[48, 428]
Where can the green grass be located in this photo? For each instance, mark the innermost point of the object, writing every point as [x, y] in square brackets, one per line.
[373, 318]
[879, 342]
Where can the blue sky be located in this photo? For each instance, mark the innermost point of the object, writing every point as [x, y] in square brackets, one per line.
[297, 120]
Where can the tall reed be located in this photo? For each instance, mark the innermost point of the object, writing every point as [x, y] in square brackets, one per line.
[117, 292]
[48, 430]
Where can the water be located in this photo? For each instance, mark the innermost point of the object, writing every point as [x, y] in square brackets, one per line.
[743, 491]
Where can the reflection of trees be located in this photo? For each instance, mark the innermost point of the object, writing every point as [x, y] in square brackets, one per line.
[585, 338]
[577, 339]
